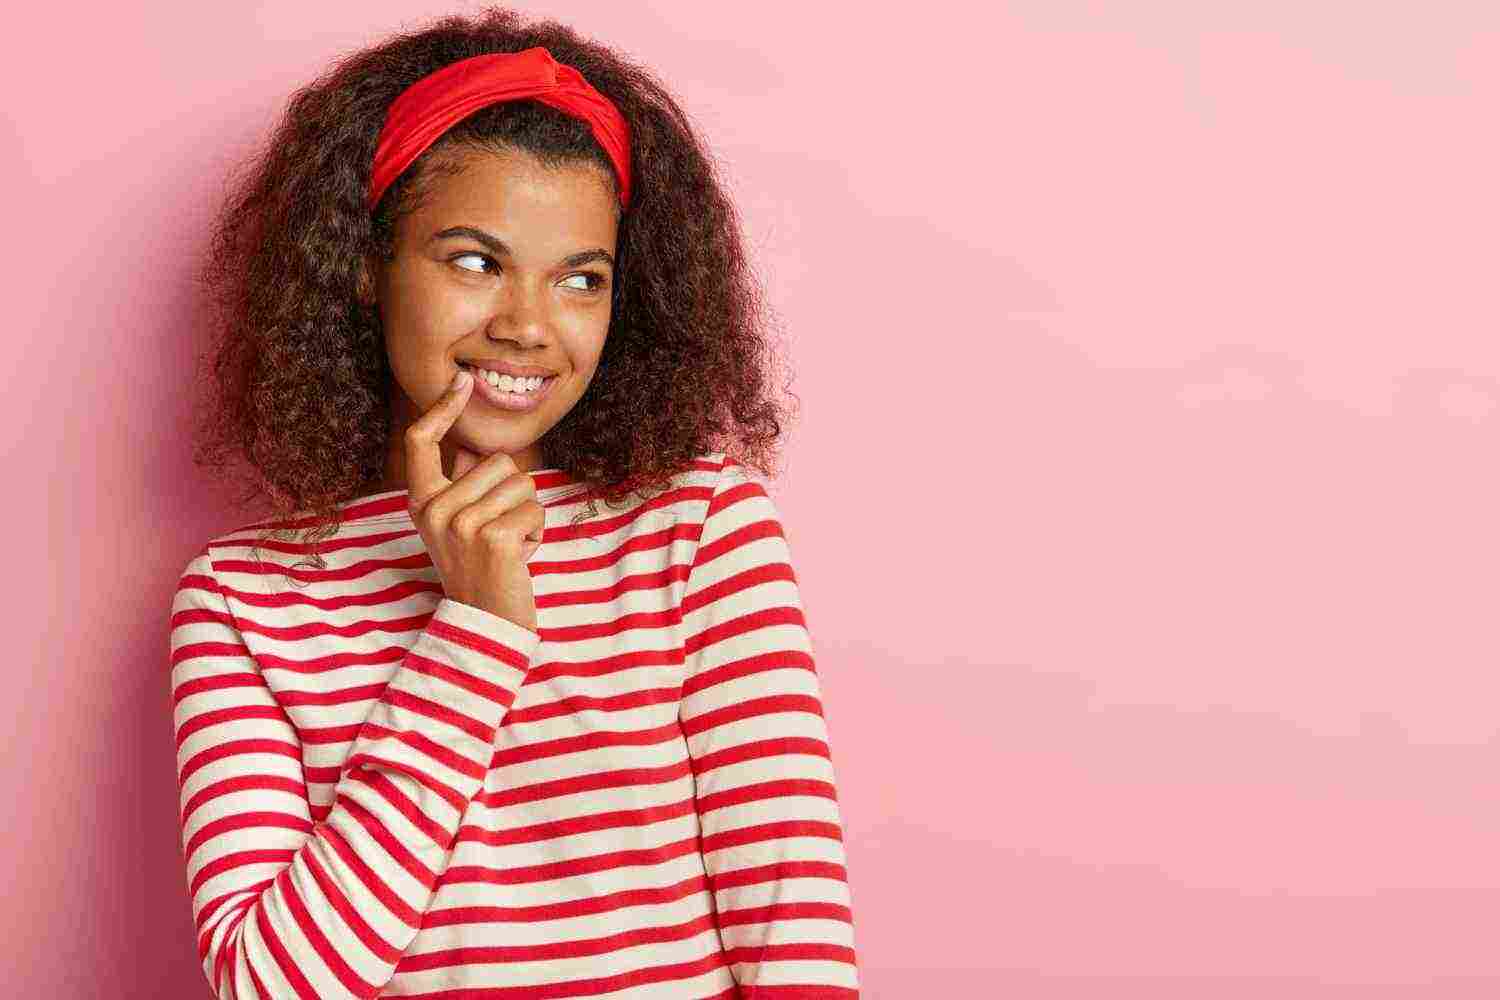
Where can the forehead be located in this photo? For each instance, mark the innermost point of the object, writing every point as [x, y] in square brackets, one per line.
[537, 209]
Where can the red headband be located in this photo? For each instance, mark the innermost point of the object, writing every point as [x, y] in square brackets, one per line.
[426, 109]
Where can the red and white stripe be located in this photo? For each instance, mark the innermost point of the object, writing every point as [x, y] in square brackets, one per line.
[386, 792]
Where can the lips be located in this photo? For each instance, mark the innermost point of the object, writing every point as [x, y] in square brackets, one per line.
[506, 368]
[517, 401]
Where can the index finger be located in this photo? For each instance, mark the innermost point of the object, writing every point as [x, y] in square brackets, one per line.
[424, 461]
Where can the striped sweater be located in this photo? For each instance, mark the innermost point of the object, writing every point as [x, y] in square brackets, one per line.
[386, 792]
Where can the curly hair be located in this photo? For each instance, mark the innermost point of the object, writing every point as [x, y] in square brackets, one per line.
[298, 380]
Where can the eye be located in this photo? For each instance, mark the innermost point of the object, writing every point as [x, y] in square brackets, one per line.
[595, 281]
[481, 256]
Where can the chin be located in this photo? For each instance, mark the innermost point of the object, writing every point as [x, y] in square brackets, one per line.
[476, 440]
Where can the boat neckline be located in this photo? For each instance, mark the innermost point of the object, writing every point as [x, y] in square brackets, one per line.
[369, 505]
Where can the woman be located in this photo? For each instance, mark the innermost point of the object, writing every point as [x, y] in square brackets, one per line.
[445, 725]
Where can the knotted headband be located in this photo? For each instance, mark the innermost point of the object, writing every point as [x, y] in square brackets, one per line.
[428, 108]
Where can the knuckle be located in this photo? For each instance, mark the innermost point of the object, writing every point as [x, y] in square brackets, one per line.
[434, 514]
[498, 533]
[467, 522]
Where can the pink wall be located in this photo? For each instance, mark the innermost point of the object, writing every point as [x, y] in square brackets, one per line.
[1160, 342]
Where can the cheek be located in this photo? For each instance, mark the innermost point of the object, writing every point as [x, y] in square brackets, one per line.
[587, 345]
[419, 334]
[430, 307]
[418, 355]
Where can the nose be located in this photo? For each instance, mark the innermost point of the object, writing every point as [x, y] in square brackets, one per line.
[521, 316]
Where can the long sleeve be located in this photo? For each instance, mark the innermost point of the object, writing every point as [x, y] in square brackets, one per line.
[751, 710]
[286, 907]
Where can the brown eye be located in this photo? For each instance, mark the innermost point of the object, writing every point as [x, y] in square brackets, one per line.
[594, 280]
[481, 256]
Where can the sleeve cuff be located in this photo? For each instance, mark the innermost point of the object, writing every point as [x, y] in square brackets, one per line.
[484, 632]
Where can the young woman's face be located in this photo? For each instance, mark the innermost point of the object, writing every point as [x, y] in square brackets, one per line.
[539, 297]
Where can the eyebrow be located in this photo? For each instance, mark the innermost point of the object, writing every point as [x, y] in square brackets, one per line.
[501, 248]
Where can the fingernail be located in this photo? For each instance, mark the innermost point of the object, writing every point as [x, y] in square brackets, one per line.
[461, 379]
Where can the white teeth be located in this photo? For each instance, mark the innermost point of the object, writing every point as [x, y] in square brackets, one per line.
[508, 383]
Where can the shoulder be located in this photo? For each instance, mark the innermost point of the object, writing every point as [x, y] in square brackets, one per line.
[731, 503]
[223, 552]
[197, 591]
[702, 492]
[712, 481]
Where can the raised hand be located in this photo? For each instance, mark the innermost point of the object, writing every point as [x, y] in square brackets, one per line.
[480, 527]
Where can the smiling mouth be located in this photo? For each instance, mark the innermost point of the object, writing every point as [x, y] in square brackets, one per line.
[524, 398]
[484, 373]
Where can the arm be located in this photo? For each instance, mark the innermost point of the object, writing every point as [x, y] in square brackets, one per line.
[287, 907]
[751, 710]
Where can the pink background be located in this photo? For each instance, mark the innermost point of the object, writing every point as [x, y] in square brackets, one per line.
[1144, 497]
